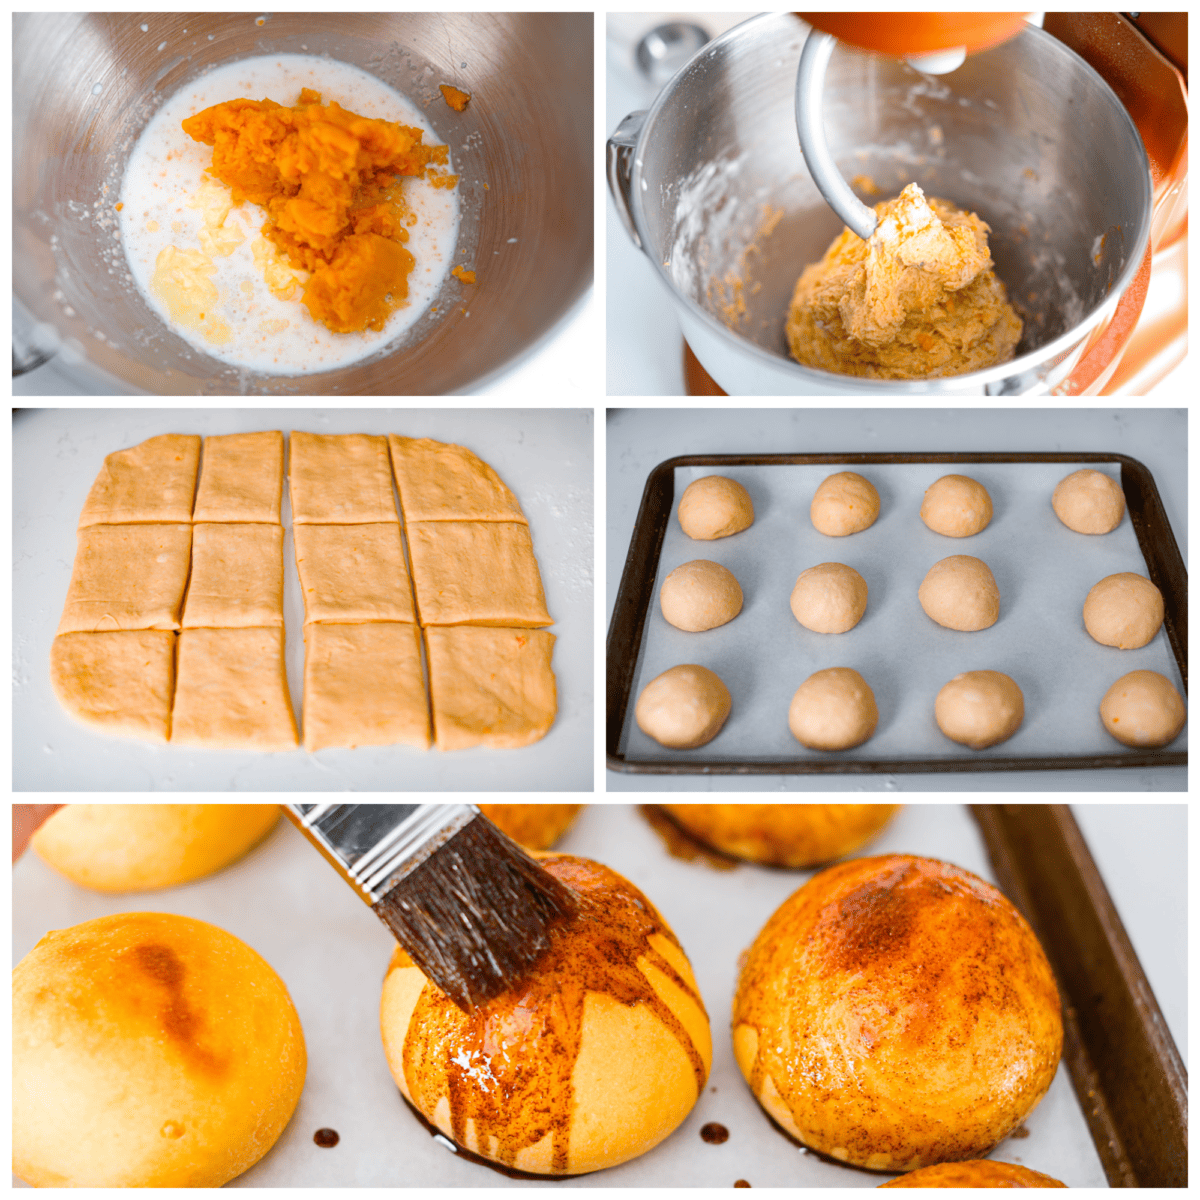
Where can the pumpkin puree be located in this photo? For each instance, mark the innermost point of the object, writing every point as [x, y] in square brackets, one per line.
[328, 180]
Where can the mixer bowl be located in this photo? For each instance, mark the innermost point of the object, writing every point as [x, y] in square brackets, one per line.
[84, 86]
[712, 185]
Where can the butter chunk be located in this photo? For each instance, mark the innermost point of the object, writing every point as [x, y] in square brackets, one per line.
[237, 577]
[363, 686]
[127, 577]
[439, 481]
[232, 691]
[353, 573]
[242, 478]
[118, 683]
[476, 573]
[491, 687]
[153, 481]
[340, 479]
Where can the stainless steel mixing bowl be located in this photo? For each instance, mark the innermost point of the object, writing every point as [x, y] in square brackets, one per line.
[712, 185]
[84, 86]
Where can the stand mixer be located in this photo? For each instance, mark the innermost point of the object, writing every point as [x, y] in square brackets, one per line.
[1035, 141]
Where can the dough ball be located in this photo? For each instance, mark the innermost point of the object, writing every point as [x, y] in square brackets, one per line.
[684, 707]
[979, 708]
[960, 593]
[535, 826]
[1143, 709]
[845, 503]
[897, 1012]
[149, 1050]
[1089, 501]
[981, 1173]
[715, 507]
[784, 835]
[140, 847]
[1124, 610]
[592, 1060]
[829, 598]
[833, 710]
[700, 595]
[956, 506]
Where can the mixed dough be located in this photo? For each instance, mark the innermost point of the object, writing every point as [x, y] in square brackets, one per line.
[829, 598]
[833, 709]
[174, 632]
[917, 300]
[1143, 709]
[683, 707]
[979, 708]
[844, 503]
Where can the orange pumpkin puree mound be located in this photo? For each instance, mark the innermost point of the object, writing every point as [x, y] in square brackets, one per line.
[328, 180]
[457, 99]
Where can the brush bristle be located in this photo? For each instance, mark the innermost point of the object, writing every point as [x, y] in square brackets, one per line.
[476, 914]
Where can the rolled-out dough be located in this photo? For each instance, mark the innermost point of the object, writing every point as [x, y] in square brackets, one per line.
[154, 481]
[363, 686]
[439, 481]
[127, 577]
[119, 683]
[340, 479]
[353, 573]
[231, 691]
[241, 478]
[476, 573]
[490, 687]
[237, 577]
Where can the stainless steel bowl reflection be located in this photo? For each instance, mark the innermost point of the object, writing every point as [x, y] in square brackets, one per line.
[84, 85]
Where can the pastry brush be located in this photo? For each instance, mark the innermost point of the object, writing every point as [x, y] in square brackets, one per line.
[472, 909]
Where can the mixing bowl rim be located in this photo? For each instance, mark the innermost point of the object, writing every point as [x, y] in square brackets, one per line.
[1031, 361]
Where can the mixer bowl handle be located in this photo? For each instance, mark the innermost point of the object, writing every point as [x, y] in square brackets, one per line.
[619, 157]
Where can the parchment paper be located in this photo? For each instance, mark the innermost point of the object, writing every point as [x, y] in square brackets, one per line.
[545, 457]
[285, 902]
[1043, 570]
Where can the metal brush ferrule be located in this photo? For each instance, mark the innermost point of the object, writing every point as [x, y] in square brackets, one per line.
[373, 846]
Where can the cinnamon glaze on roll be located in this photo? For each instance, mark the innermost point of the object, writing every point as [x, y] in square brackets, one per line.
[897, 1012]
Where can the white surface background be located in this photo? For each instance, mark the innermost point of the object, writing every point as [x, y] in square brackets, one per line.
[544, 455]
[331, 953]
[639, 439]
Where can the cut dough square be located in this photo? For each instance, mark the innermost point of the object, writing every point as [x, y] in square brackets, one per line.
[476, 573]
[353, 573]
[340, 479]
[490, 687]
[154, 481]
[119, 683]
[232, 691]
[242, 478]
[439, 481]
[363, 686]
[237, 577]
[127, 577]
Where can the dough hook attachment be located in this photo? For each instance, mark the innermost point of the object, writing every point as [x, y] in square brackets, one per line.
[810, 82]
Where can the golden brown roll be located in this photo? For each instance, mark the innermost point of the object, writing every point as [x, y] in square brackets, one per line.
[897, 1012]
[535, 826]
[149, 1050]
[589, 1062]
[141, 847]
[981, 1173]
[784, 835]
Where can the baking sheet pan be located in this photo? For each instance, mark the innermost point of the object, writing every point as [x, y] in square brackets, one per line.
[1043, 571]
[331, 952]
[544, 455]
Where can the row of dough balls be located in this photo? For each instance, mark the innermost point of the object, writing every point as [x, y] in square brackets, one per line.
[1086, 501]
[834, 709]
[1124, 610]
